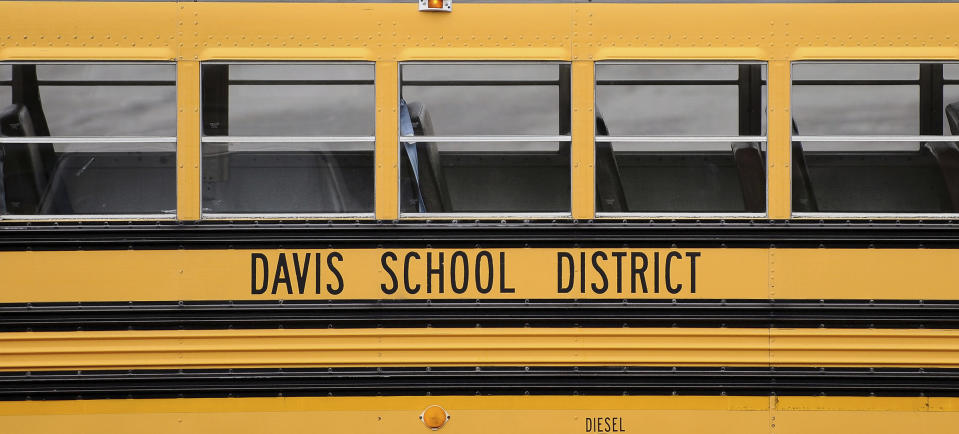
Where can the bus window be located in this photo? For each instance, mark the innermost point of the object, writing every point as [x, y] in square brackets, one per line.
[287, 138]
[110, 140]
[678, 138]
[950, 99]
[485, 138]
[6, 94]
[873, 138]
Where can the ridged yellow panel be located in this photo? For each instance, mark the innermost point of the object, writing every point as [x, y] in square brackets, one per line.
[474, 347]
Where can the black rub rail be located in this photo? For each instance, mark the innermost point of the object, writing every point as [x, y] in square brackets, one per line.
[421, 381]
[478, 233]
[351, 314]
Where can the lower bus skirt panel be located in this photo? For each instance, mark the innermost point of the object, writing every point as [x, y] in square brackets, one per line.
[482, 381]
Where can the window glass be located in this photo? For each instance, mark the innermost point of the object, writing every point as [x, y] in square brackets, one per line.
[876, 164]
[854, 71]
[856, 109]
[951, 71]
[950, 101]
[670, 99]
[288, 178]
[91, 165]
[255, 160]
[5, 90]
[491, 177]
[482, 99]
[471, 170]
[300, 100]
[664, 113]
[108, 99]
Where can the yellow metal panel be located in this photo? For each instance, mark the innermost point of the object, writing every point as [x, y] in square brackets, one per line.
[188, 140]
[851, 403]
[380, 32]
[482, 414]
[864, 273]
[155, 275]
[768, 31]
[688, 31]
[395, 32]
[87, 31]
[583, 146]
[472, 347]
[387, 140]
[517, 273]
[468, 414]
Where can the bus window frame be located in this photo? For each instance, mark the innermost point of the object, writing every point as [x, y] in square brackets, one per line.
[656, 215]
[103, 139]
[568, 214]
[290, 139]
[805, 215]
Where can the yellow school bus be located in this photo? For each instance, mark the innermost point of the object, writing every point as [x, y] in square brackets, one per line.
[478, 217]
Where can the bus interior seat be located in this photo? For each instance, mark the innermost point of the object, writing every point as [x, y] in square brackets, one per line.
[804, 200]
[752, 174]
[431, 181]
[946, 155]
[24, 175]
[280, 182]
[610, 195]
[952, 117]
[894, 181]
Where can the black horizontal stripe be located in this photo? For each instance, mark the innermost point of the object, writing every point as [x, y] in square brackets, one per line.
[468, 233]
[422, 381]
[349, 314]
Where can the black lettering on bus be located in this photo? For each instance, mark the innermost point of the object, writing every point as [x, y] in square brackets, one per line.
[254, 258]
[406, 273]
[301, 274]
[318, 266]
[489, 272]
[602, 273]
[582, 272]
[619, 271]
[502, 275]
[396, 284]
[339, 278]
[459, 254]
[640, 271]
[282, 270]
[430, 271]
[692, 270]
[562, 257]
[656, 272]
[669, 259]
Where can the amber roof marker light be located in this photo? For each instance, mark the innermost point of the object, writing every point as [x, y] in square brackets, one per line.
[436, 5]
[434, 417]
